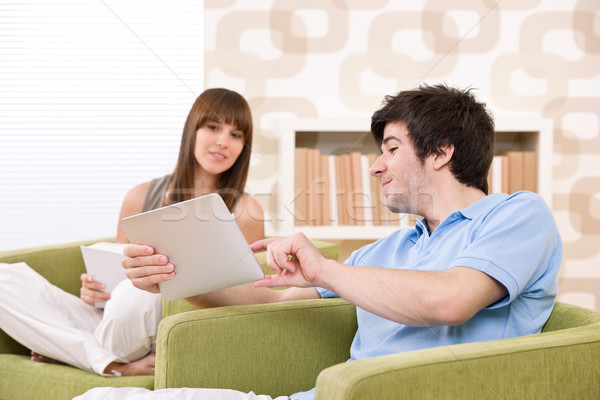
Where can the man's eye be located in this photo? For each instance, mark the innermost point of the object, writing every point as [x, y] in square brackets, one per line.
[392, 150]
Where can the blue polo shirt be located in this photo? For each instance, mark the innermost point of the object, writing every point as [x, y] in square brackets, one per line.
[512, 238]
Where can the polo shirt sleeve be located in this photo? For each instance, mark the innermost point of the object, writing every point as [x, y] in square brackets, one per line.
[516, 243]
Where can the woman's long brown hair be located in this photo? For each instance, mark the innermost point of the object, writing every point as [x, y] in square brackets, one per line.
[222, 106]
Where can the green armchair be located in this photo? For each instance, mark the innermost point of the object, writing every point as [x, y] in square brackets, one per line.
[279, 349]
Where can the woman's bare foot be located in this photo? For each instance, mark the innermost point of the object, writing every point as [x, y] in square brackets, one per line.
[40, 358]
[143, 366]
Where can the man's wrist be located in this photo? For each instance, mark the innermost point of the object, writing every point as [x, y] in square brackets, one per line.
[328, 273]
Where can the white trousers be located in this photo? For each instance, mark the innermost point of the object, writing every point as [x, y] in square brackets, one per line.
[105, 393]
[59, 325]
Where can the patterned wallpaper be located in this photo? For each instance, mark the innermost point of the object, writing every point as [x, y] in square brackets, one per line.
[338, 58]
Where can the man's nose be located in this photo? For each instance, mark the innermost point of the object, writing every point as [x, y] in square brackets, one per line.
[378, 167]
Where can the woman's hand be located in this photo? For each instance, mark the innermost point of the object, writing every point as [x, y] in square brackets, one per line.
[146, 269]
[91, 290]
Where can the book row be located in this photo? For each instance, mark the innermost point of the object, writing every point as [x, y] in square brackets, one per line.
[513, 171]
[338, 189]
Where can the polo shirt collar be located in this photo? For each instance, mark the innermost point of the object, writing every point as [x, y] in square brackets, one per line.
[469, 213]
[421, 227]
[476, 208]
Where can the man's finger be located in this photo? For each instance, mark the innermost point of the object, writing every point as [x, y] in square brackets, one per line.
[271, 262]
[283, 260]
[262, 244]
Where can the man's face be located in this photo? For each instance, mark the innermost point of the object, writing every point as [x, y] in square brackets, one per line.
[400, 172]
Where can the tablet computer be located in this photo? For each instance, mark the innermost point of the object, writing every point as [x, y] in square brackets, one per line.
[203, 241]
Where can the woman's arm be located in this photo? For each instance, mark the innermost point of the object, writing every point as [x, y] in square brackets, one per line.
[132, 205]
[250, 218]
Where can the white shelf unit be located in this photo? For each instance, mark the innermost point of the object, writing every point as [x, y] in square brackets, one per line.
[512, 133]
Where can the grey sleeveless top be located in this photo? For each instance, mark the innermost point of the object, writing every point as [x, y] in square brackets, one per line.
[156, 193]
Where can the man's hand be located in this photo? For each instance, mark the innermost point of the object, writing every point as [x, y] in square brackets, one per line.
[91, 290]
[145, 269]
[297, 262]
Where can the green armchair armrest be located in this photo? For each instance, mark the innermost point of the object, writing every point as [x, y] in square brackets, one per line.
[279, 349]
[559, 364]
[276, 349]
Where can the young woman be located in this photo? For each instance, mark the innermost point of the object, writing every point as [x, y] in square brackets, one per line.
[214, 157]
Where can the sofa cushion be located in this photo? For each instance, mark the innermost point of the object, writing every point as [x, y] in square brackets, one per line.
[24, 379]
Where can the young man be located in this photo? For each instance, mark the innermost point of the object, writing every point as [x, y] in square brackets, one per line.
[476, 267]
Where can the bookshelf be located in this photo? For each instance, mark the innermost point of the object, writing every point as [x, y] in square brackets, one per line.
[337, 136]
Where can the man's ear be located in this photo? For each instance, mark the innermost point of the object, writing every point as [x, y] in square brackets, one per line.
[443, 156]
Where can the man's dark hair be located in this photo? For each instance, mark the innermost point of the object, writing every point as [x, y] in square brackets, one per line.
[439, 115]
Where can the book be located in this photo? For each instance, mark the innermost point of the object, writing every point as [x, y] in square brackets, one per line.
[311, 176]
[530, 171]
[340, 176]
[103, 262]
[347, 211]
[317, 187]
[324, 191]
[376, 194]
[333, 201]
[301, 185]
[368, 204]
[356, 199]
[496, 185]
[515, 161]
[505, 173]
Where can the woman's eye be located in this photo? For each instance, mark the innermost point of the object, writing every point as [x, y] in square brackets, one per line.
[392, 150]
[212, 127]
[236, 135]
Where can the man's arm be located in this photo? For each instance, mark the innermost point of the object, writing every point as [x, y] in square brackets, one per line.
[416, 298]
[146, 269]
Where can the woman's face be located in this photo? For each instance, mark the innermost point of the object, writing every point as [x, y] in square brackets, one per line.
[218, 145]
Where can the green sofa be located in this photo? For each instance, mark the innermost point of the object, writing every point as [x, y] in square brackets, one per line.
[282, 348]
[22, 379]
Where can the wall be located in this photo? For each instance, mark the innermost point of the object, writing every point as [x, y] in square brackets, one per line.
[339, 58]
[93, 98]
